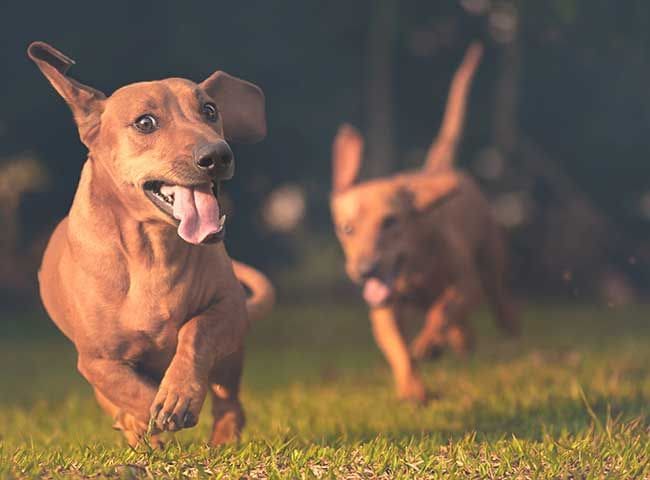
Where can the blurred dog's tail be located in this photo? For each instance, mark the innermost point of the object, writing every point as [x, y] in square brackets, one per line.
[443, 149]
[261, 298]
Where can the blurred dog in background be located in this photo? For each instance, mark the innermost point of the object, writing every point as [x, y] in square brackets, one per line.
[423, 239]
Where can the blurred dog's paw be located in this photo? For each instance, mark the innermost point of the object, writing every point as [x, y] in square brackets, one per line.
[413, 391]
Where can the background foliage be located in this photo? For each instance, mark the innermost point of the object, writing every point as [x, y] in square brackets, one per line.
[577, 69]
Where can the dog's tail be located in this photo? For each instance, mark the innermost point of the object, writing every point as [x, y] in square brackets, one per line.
[443, 149]
[262, 294]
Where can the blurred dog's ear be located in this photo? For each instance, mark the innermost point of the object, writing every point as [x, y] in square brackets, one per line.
[241, 105]
[347, 152]
[432, 191]
[86, 103]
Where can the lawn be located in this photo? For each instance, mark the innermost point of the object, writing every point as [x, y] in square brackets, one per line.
[570, 399]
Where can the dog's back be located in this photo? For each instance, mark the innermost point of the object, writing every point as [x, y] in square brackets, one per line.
[467, 213]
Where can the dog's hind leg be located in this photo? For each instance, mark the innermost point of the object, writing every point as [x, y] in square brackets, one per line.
[132, 429]
[492, 269]
[227, 410]
[460, 337]
[389, 338]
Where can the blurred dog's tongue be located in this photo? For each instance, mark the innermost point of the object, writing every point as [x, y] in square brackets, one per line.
[198, 211]
[375, 292]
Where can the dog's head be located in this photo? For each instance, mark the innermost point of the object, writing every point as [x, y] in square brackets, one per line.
[163, 144]
[380, 222]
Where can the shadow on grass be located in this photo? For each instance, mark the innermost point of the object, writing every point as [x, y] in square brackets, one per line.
[566, 417]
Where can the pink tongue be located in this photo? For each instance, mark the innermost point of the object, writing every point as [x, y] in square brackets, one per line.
[198, 211]
[375, 292]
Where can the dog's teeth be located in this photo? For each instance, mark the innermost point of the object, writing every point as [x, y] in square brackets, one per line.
[222, 220]
[166, 198]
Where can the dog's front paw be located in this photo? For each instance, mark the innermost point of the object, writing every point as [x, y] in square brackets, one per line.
[413, 391]
[177, 404]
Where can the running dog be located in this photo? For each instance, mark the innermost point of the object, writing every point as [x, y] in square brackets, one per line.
[137, 275]
[423, 239]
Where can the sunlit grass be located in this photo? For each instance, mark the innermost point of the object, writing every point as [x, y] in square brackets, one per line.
[568, 400]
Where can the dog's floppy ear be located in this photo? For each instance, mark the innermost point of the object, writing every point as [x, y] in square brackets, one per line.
[431, 191]
[347, 152]
[85, 102]
[241, 105]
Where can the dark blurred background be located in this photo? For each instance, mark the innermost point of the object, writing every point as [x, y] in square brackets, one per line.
[557, 129]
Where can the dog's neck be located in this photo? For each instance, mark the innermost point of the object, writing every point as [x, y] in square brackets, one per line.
[100, 215]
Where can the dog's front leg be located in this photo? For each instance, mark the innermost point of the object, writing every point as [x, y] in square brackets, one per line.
[391, 342]
[120, 384]
[202, 341]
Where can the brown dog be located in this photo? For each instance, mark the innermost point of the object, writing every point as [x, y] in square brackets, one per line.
[136, 276]
[422, 239]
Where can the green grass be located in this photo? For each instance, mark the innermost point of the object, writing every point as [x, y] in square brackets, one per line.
[568, 400]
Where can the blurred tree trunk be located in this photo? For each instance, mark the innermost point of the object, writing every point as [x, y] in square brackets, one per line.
[571, 238]
[378, 106]
[506, 95]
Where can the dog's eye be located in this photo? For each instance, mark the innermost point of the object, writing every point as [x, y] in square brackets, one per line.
[146, 123]
[346, 229]
[389, 222]
[210, 112]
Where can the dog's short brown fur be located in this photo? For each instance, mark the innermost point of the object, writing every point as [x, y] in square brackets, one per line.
[423, 239]
[157, 322]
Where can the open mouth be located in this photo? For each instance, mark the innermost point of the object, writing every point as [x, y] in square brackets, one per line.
[195, 208]
[377, 291]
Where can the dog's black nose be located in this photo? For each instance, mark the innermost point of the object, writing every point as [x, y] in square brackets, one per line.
[216, 159]
[368, 269]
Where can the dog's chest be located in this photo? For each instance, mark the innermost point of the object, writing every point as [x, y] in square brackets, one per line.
[157, 305]
[421, 287]
[155, 319]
